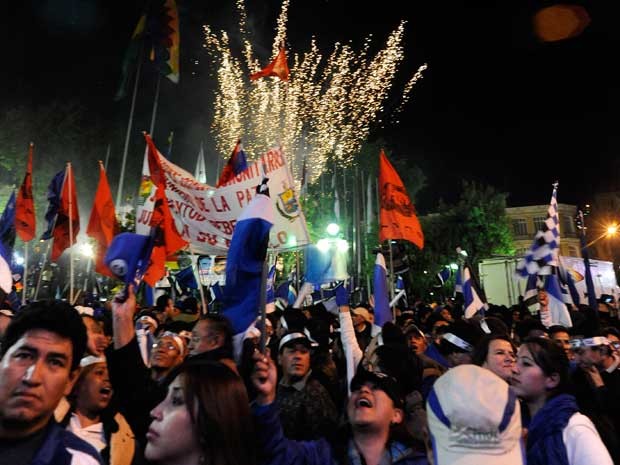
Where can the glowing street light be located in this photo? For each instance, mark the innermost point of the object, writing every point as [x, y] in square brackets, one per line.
[87, 250]
[612, 229]
[333, 229]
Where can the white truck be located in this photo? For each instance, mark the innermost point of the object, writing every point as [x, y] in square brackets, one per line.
[503, 286]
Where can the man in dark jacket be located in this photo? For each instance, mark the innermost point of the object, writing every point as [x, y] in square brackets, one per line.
[306, 409]
[40, 362]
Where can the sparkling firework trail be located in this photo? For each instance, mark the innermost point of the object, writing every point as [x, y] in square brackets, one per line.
[326, 109]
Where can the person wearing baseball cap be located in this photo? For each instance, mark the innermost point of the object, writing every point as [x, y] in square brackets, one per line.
[474, 418]
[596, 384]
[306, 408]
[374, 432]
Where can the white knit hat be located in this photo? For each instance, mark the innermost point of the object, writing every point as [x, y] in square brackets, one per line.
[474, 418]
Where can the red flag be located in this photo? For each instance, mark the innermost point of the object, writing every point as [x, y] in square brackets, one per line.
[68, 209]
[25, 222]
[102, 225]
[167, 239]
[278, 67]
[397, 218]
[235, 165]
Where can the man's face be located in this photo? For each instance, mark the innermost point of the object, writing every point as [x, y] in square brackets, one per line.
[417, 342]
[35, 373]
[371, 409]
[95, 389]
[295, 361]
[587, 357]
[203, 338]
[166, 353]
[561, 338]
[97, 341]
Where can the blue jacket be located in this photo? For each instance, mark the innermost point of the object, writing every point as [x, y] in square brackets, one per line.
[55, 449]
[277, 450]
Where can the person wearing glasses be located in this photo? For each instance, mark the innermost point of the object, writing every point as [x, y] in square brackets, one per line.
[168, 352]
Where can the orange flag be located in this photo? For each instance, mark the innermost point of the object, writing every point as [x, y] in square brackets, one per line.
[68, 209]
[397, 217]
[167, 239]
[102, 225]
[25, 222]
[278, 67]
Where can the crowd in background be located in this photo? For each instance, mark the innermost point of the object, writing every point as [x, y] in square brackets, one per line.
[171, 384]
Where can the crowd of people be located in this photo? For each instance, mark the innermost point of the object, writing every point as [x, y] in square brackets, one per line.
[171, 384]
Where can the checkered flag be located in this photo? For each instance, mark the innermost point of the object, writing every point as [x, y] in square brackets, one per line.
[544, 252]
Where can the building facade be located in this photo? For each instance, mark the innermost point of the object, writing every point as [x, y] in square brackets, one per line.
[527, 221]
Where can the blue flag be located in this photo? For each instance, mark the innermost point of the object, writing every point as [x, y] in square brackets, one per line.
[472, 295]
[558, 313]
[244, 264]
[444, 275]
[270, 289]
[382, 299]
[186, 278]
[7, 241]
[54, 191]
[128, 256]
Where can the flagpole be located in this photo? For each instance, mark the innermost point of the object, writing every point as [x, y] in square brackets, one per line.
[119, 192]
[107, 157]
[392, 277]
[170, 140]
[263, 304]
[70, 173]
[49, 244]
[155, 103]
[25, 277]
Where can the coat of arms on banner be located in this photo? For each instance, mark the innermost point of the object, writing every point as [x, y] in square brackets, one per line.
[287, 204]
[146, 187]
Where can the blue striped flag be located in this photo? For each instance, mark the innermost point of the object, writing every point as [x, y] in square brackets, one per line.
[244, 264]
[558, 313]
[544, 252]
[474, 301]
[382, 302]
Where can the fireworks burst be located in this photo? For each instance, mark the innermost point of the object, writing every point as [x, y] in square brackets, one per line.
[326, 109]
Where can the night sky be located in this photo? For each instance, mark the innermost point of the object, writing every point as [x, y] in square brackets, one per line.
[496, 105]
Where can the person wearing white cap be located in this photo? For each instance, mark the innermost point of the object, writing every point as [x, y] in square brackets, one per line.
[557, 433]
[168, 351]
[474, 418]
[306, 408]
[91, 416]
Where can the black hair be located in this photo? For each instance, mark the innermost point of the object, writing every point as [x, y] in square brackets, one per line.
[551, 359]
[557, 329]
[54, 316]
[162, 302]
[466, 330]
[221, 325]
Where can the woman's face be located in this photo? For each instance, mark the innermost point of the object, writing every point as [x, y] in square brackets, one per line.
[528, 380]
[171, 437]
[500, 359]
